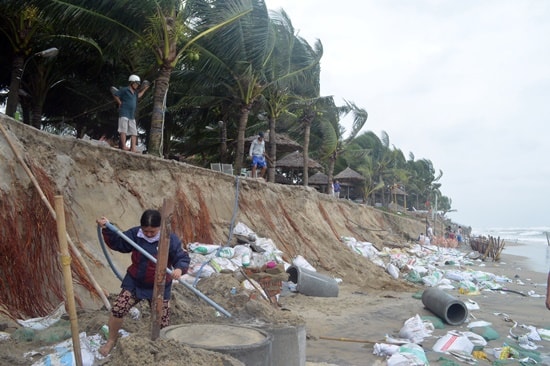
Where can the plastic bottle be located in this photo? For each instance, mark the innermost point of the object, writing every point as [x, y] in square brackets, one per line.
[245, 260]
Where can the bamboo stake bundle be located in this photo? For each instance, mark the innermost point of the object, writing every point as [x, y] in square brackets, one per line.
[73, 247]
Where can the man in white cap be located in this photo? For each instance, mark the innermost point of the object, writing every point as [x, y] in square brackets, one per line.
[257, 153]
[126, 99]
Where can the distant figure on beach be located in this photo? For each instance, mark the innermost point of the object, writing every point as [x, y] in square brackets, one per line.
[459, 234]
[336, 188]
[139, 281]
[429, 232]
[257, 153]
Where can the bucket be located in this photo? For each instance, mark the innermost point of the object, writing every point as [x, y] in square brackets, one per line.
[311, 283]
[288, 347]
[447, 307]
[247, 344]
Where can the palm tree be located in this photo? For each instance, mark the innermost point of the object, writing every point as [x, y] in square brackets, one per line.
[166, 28]
[240, 69]
[21, 26]
[294, 63]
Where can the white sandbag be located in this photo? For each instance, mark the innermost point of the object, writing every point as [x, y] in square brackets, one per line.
[392, 270]
[242, 229]
[201, 270]
[384, 349]
[226, 252]
[409, 354]
[300, 261]
[453, 341]
[44, 322]
[201, 248]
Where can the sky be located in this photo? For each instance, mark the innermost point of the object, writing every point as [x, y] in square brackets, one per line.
[465, 84]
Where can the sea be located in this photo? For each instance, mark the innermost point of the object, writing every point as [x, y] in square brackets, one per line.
[528, 242]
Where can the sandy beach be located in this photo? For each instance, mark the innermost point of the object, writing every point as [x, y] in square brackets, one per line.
[340, 330]
[370, 316]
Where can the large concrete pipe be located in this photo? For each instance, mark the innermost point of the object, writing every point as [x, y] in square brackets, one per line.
[447, 307]
[311, 283]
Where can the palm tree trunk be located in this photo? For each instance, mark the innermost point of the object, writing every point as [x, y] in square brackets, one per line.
[243, 121]
[15, 84]
[272, 149]
[36, 118]
[157, 118]
[306, 152]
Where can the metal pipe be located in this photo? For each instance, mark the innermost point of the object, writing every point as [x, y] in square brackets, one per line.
[447, 307]
[168, 270]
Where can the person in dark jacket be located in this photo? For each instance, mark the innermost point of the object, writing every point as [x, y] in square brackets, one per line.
[139, 280]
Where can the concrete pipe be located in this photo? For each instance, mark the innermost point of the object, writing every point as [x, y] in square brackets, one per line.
[447, 307]
[311, 283]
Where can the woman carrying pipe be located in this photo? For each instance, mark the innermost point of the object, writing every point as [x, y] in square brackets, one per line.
[139, 280]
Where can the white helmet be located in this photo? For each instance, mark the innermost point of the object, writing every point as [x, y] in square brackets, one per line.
[134, 79]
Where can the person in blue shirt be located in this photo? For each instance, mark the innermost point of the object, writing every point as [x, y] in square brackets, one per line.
[126, 99]
[336, 189]
[139, 281]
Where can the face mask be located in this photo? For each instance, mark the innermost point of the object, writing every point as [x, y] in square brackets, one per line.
[152, 240]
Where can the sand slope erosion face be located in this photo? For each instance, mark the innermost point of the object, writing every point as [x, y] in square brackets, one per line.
[96, 180]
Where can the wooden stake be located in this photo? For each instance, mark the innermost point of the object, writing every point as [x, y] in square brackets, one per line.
[348, 340]
[261, 291]
[160, 271]
[75, 250]
[67, 275]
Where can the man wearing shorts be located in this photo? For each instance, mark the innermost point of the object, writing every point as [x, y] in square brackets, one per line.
[127, 98]
[257, 153]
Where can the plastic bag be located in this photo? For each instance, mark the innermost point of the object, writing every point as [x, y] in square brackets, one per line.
[392, 270]
[300, 261]
[45, 322]
[409, 354]
[415, 329]
[453, 341]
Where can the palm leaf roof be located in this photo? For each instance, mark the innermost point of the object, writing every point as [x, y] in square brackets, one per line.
[349, 174]
[296, 160]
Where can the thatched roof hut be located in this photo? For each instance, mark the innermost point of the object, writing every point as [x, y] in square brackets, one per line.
[349, 178]
[318, 179]
[349, 174]
[296, 160]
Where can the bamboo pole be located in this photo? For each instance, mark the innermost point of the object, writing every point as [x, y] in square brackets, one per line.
[75, 250]
[67, 275]
[160, 270]
[348, 340]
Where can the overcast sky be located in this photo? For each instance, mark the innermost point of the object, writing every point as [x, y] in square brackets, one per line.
[465, 84]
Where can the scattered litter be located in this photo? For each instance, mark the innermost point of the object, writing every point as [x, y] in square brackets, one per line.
[471, 305]
[409, 354]
[44, 322]
[453, 341]
[415, 329]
